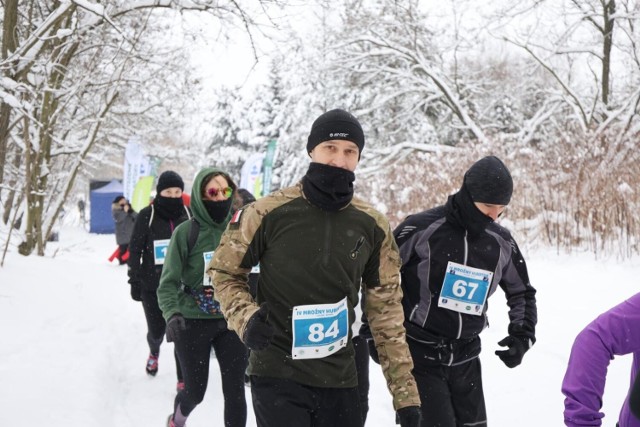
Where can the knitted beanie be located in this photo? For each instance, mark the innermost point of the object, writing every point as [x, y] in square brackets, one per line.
[335, 124]
[169, 179]
[488, 181]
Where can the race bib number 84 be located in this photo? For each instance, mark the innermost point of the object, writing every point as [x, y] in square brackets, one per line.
[465, 289]
[319, 330]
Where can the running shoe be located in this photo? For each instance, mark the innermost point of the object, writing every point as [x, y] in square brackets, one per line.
[152, 365]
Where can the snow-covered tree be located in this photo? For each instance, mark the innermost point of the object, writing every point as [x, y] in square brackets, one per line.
[79, 78]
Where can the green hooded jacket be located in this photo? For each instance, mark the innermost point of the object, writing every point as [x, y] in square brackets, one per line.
[182, 266]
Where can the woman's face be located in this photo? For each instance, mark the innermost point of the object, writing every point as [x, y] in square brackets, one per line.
[217, 189]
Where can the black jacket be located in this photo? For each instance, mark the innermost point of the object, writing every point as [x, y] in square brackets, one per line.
[428, 241]
[149, 226]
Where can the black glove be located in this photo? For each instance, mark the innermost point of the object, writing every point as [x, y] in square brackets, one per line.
[258, 333]
[411, 416]
[175, 327]
[518, 346]
[373, 351]
[136, 291]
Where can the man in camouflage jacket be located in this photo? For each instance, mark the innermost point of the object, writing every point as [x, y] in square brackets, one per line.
[316, 245]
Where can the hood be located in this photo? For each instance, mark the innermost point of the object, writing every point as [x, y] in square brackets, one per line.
[197, 206]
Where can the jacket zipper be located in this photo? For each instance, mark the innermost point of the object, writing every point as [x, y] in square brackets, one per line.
[465, 260]
[327, 240]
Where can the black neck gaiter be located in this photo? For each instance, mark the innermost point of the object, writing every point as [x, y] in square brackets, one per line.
[328, 187]
[463, 212]
[169, 207]
[218, 211]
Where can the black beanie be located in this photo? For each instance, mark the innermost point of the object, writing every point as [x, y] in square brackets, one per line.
[335, 124]
[488, 181]
[169, 179]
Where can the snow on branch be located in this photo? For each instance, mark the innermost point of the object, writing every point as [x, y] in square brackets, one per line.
[420, 68]
[391, 155]
[25, 54]
[632, 101]
[554, 74]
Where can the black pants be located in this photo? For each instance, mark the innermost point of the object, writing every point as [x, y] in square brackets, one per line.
[156, 326]
[285, 403]
[451, 396]
[362, 365]
[194, 350]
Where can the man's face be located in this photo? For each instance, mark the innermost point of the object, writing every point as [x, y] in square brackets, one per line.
[492, 211]
[338, 153]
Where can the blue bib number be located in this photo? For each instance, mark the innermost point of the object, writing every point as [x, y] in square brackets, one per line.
[319, 330]
[160, 250]
[465, 289]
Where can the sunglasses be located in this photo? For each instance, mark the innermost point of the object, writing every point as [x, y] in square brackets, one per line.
[226, 192]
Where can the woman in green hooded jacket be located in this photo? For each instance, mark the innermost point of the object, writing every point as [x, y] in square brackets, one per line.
[194, 320]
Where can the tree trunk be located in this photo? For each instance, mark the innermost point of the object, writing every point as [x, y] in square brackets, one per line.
[13, 182]
[609, 21]
[39, 161]
[9, 44]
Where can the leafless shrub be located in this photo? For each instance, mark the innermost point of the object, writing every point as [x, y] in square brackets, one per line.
[572, 195]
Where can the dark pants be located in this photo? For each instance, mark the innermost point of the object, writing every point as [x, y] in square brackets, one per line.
[362, 365]
[156, 326]
[285, 403]
[194, 350]
[451, 396]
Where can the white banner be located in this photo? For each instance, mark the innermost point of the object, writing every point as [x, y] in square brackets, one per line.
[136, 165]
[251, 174]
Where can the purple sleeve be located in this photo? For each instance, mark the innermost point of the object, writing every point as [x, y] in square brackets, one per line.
[615, 332]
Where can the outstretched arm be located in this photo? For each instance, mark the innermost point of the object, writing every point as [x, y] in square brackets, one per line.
[615, 332]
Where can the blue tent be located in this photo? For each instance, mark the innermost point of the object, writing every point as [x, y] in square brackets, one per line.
[101, 221]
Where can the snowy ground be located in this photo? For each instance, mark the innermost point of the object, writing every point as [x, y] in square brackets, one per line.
[73, 349]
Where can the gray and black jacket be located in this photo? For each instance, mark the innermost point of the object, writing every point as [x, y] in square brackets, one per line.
[427, 242]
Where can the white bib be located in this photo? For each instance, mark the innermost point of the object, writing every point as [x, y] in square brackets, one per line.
[206, 280]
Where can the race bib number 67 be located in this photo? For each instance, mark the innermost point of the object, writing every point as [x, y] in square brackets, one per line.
[465, 289]
[319, 330]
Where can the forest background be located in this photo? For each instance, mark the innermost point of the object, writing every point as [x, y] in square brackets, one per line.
[552, 87]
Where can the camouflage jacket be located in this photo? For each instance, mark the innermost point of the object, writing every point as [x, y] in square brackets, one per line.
[309, 256]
